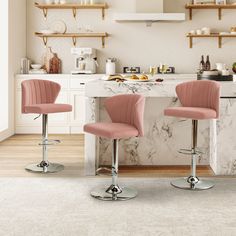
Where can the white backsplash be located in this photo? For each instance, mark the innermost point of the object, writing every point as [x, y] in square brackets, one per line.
[134, 44]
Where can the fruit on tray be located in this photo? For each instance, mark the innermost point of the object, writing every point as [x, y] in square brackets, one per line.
[143, 77]
[234, 67]
[134, 77]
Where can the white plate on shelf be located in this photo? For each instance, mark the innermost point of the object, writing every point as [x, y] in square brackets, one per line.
[47, 31]
[59, 27]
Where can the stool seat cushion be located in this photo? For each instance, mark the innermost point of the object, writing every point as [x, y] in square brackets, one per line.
[194, 113]
[48, 108]
[112, 130]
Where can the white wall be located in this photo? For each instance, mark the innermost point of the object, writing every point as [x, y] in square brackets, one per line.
[16, 50]
[4, 66]
[134, 43]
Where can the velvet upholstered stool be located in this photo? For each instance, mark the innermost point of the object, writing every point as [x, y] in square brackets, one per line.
[38, 97]
[200, 101]
[126, 113]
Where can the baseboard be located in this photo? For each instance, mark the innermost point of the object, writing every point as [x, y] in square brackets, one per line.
[6, 134]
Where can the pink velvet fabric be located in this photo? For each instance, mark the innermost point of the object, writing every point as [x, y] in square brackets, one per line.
[195, 113]
[39, 96]
[111, 130]
[48, 108]
[126, 113]
[200, 100]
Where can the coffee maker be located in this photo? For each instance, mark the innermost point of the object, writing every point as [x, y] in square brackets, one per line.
[85, 61]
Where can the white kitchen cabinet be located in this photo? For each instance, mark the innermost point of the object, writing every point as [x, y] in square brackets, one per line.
[77, 118]
[72, 92]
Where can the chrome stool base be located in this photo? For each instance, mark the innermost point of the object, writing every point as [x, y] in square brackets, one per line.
[183, 183]
[104, 195]
[49, 168]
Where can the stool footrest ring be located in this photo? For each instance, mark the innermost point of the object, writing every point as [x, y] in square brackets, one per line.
[50, 142]
[102, 169]
[189, 152]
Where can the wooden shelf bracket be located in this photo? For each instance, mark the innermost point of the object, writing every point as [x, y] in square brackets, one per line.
[74, 40]
[45, 41]
[74, 11]
[45, 12]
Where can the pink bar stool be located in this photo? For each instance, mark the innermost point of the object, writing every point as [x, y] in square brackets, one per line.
[126, 113]
[38, 97]
[200, 101]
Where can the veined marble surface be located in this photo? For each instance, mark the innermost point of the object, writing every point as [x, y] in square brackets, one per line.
[164, 136]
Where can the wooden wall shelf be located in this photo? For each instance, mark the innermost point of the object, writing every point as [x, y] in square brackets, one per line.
[192, 7]
[73, 7]
[74, 36]
[215, 35]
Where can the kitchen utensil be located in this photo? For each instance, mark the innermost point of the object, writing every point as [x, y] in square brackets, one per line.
[233, 29]
[206, 31]
[59, 27]
[220, 66]
[198, 32]
[55, 65]
[46, 58]
[225, 72]
[111, 66]
[36, 66]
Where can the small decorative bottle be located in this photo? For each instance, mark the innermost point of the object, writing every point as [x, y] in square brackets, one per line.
[202, 65]
[208, 64]
[55, 65]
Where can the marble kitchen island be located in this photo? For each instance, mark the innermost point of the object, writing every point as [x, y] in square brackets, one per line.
[164, 136]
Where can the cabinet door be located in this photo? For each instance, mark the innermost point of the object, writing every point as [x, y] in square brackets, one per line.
[77, 119]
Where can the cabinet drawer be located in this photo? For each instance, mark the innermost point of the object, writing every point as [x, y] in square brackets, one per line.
[78, 84]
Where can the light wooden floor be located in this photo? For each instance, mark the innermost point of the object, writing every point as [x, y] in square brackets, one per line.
[20, 150]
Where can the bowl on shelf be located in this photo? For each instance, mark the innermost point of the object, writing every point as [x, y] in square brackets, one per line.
[36, 66]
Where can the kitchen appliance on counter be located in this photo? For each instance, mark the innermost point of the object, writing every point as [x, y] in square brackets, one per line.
[85, 60]
[111, 66]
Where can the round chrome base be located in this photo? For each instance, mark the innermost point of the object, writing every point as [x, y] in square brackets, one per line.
[50, 168]
[200, 185]
[104, 195]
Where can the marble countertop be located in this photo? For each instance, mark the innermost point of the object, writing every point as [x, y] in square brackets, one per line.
[149, 89]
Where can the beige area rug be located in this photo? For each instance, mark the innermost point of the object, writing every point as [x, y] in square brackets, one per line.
[58, 207]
